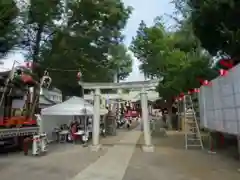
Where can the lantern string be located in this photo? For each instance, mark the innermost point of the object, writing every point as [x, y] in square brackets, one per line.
[63, 70]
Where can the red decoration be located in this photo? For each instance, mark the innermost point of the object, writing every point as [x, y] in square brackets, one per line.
[204, 82]
[27, 78]
[226, 63]
[196, 90]
[181, 94]
[223, 72]
[190, 91]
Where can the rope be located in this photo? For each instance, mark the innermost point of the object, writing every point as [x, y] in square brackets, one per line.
[62, 70]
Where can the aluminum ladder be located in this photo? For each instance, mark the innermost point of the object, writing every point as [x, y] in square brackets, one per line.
[191, 127]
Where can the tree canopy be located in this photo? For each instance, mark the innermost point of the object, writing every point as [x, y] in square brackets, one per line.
[216, 25]
[120, 61]
[8, 26]
[88, 40]
[175, 56]
[65, 37]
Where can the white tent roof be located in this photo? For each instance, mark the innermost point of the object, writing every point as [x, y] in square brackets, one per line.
[73, 106]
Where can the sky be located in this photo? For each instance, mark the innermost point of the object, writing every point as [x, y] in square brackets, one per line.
[145, 10]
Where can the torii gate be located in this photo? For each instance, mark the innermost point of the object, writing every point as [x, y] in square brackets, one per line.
[141, 85]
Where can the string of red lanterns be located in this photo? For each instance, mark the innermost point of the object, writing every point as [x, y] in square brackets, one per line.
[30, 65]
[191, 91]
[222, 72]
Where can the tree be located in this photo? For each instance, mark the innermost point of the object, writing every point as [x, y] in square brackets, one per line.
[217, 25]
[85, 42]
[120, 61]
[166, 54]
[8, 26]
[39, 25]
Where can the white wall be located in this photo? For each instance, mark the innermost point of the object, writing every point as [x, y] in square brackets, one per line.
[220, 103]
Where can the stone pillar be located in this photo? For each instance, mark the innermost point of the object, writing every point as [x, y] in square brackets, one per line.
[147, 147]
[96, 121]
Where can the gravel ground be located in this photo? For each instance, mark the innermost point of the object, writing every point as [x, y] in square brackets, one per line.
[171, 161]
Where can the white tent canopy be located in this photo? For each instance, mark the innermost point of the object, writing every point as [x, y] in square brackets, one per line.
[75, 106]
[64, 113]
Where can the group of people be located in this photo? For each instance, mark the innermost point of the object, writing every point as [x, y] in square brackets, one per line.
[170, 123]
[74, 127]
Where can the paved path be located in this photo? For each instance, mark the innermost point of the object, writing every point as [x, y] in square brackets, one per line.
[113, 164]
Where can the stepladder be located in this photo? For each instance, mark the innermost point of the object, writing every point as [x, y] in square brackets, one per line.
[193, 138]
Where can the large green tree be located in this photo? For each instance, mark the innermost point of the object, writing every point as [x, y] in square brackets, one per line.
[168, 55]
[39, 25]
[85, 42]
[8, 26]
[216, 24]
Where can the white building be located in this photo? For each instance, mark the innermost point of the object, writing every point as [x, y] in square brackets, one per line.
[49, 97]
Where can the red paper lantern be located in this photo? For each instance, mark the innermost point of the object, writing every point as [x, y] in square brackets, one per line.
[79, 75]
[196, 90]
[204, 82]
[181, 94]
[223, 72]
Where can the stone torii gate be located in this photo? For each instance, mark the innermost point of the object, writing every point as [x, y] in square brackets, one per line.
[140, 85]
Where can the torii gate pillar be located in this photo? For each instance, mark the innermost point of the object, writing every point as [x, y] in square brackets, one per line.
[96, 121]
[147, 147]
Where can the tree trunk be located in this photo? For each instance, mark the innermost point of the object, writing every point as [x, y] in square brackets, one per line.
[36, 49]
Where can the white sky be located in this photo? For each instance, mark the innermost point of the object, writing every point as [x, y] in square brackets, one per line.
[145, 10]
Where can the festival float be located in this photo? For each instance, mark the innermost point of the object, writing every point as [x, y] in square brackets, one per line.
[17, 121]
